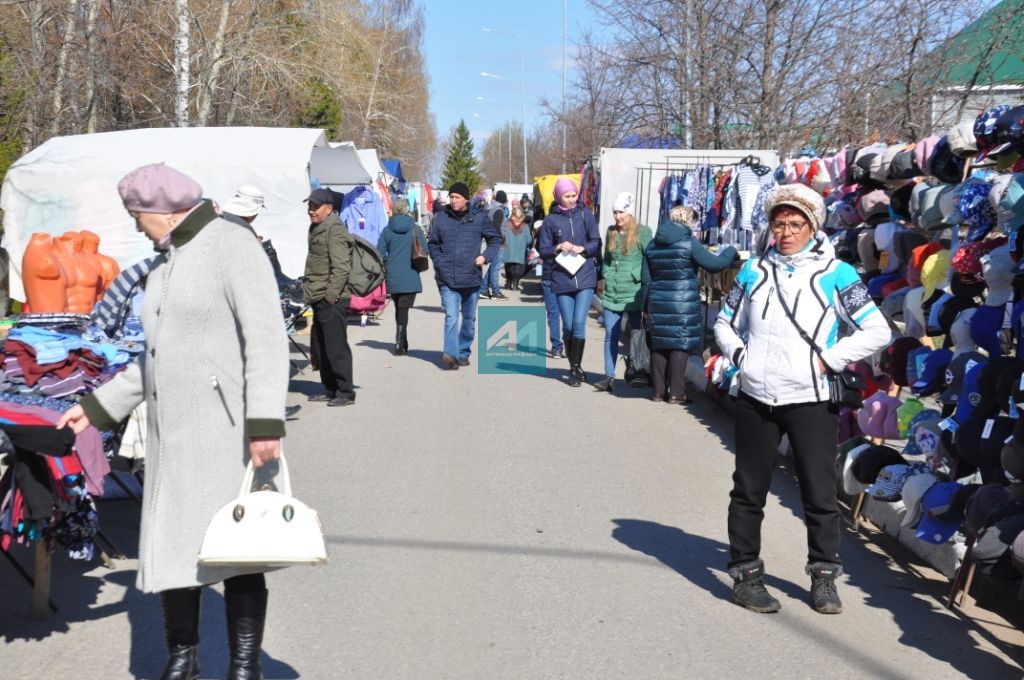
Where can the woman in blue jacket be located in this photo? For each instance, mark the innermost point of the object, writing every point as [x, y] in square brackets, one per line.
[669, 287]
[570, 230]
[403, 282]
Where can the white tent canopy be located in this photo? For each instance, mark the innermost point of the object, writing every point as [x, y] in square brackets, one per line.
[371, 161]
[71, 183]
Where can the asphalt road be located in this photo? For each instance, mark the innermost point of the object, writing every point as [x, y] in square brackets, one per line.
[509, 526]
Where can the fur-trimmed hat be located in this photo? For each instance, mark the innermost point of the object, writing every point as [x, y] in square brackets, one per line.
[801, 198]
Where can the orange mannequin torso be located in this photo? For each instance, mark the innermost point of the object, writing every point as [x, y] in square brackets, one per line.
[109, 268]
[44, 279]
[83, 278]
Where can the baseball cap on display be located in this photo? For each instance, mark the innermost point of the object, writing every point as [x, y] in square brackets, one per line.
[902, 165]
[894, 359]
[889, 483]
[933, 376]
[989, 403]
[961, 139]
[944, 164]
[915, 360]
[905, 413]
[951, 309]
[1012, 202]
[985, 328]
[873, 207]
[970, 397]
[914, 487]
[993, 437]
[1008, 378]
[977, 210]
[851, 485]
[923, 151]
[1005, 133]
[926, 415]
[869, 463]
[935, 501]
[892, 299]
[955, 375]
[985, 128]
[928, 437]
[938, 301]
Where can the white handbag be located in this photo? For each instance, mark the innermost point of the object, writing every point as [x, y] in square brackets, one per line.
[264, 529]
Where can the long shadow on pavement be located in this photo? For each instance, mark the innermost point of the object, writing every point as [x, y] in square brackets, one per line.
[429, 356]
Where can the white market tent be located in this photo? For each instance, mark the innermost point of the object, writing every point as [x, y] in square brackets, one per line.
[371, 161]
[71, 183]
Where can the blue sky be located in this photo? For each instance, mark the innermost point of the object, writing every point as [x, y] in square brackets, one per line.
[458, 50]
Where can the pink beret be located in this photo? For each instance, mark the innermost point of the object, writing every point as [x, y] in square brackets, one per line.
[157, 188]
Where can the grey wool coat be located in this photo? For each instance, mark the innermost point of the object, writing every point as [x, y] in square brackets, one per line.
[215, 371]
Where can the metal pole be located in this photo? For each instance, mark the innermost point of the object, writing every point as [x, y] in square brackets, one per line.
[522, 67]
[565, 21]
[510, 152]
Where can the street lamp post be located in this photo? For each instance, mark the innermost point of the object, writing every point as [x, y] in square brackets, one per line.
[522, 74]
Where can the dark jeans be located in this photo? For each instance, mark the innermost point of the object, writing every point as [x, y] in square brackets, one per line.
[403, 302]
[670, 363]
[812, 429]
[334, 356]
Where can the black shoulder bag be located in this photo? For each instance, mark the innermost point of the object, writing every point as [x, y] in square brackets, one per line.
[844, 388]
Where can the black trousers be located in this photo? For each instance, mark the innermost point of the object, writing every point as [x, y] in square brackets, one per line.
[403, 302]
[334, 356]
[812, 429]
[670, 364]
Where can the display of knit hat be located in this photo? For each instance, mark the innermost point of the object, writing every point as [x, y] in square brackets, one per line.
[902, 164]
[873, 207]
[899, 201]
[929, 215]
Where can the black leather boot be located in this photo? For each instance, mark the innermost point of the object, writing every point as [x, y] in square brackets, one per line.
[576, 374]
[581, 344]
[405, 339]
[181, 629]
[824, 597]
[400, 344]
[246, 613]
[605, 384]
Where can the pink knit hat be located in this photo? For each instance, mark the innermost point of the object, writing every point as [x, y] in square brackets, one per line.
[157, 188]
[564, 185]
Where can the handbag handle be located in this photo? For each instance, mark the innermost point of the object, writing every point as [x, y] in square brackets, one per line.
[250, 474]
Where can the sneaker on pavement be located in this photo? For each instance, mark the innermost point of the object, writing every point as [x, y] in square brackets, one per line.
[341, 401]
[325, 396]
[463, 361]
[450, 362]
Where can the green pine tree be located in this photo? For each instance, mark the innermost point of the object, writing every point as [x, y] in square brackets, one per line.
[460, 164]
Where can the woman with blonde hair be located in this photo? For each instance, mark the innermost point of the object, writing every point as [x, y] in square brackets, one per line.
[517, 237]
[671, 296]
[625, 242]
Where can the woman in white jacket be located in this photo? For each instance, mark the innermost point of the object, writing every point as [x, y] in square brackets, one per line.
[783, 387]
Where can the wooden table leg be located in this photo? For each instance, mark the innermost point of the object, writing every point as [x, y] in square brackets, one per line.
[41, 590]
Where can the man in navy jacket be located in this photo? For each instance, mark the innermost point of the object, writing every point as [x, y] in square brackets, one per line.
[454, 245]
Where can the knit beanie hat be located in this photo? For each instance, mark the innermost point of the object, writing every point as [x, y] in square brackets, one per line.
[459, 188]
[157, 188]
[623, 203]
[801, 198]
[564, 185]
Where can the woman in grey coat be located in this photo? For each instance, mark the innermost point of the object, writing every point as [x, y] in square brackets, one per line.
[214, 378]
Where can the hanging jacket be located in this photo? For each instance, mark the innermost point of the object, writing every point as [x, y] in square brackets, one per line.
[578, 227]
[776, 365]
[454, 245]
[621, 272]
[669, 286]
[395, 246]
[364, 214]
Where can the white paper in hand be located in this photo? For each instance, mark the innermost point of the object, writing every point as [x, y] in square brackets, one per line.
[571, 262]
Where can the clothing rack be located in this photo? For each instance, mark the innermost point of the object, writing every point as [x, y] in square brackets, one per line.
[645, 174]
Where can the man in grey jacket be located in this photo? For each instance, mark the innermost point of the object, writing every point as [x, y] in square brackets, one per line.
[327, 268]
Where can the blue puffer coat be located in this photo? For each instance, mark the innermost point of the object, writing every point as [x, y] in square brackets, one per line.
[579, 227]
[454, 245]
[670, 289]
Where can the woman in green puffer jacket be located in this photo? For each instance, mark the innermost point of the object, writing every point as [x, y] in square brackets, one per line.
[623, 259]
